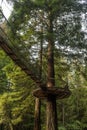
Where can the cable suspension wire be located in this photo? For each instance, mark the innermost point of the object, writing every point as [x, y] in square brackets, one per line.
[16, 37]
[13, 43]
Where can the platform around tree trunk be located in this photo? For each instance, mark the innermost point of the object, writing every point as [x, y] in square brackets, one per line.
[58, 93]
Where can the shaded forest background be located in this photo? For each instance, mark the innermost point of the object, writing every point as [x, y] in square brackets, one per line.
[16, 99]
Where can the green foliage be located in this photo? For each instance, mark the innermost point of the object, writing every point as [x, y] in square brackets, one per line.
[21, 98]
[62, 128]
[3, 79]
[17, 104]
[72, 111]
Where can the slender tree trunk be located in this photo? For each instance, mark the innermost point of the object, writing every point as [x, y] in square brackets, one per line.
[11, 126]
[51, 101]
[63, 112]
[37, 125]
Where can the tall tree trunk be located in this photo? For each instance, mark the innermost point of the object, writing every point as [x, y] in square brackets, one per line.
[37, 122]
[51, 115]
[37, 125]
[51, 101]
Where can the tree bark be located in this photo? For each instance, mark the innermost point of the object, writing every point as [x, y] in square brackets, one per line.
[51, 114]
[37, 125]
